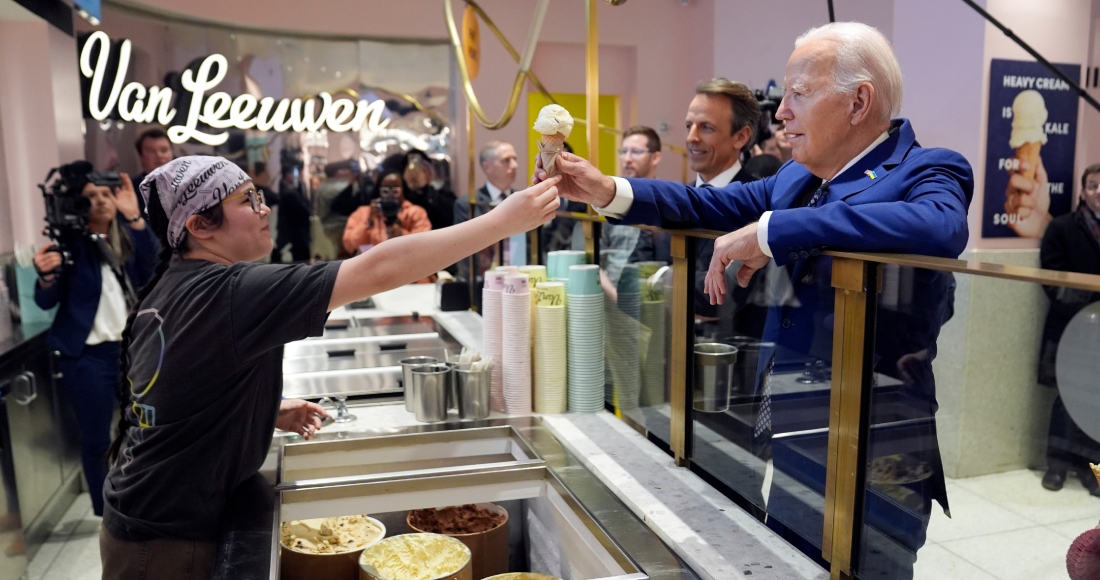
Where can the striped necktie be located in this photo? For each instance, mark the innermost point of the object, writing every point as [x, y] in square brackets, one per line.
[819, 195]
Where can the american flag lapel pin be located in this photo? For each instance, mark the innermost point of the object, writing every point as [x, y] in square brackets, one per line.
[870, 174]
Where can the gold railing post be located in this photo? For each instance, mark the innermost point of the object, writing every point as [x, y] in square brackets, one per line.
[682, 288]
[592, 80]
[471, 198]
[853, 334]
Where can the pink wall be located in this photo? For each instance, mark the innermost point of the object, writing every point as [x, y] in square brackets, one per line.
[30, 132]
[671, 47]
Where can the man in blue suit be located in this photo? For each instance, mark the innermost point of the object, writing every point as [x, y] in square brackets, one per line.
[858, 181]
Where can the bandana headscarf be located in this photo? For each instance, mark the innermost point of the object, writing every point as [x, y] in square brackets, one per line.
[189, 185]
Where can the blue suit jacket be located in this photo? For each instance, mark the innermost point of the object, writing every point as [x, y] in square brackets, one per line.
[916, 204]
[79, 287]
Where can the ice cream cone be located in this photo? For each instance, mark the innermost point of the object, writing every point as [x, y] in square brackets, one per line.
[1095, 471]
[549, 147]
[1029, 153]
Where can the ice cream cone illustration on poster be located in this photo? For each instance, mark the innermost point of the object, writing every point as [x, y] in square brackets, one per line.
[554, 123]
[1029, 114]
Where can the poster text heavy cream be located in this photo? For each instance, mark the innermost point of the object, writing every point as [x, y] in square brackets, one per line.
[218, 110]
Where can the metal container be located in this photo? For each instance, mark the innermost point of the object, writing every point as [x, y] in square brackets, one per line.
[452, 387]
[407, 365]
[465, 572]
[713, 376]
[429, 392]
[488, 549]
[472, 393]
[746, 370]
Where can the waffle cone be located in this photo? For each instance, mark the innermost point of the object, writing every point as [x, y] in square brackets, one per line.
[1029, 152]
[549, 147]
[1095, 471]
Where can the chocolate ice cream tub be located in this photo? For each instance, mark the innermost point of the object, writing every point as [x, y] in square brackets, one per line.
[416, 557]
[326, 547]
[483, 527]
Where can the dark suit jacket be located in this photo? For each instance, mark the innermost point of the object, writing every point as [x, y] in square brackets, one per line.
[704, 251]
[79, 287]
[1068, 246]
[462, 205]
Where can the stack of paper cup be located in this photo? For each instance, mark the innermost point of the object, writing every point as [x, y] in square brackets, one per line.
[584, 310]
[517, 344]
[550, 348]
[653, 317]
[492, 338]
[623, 344]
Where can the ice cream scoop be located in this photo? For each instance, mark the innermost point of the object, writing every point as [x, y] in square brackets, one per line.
[1029, 114]
[555, 124]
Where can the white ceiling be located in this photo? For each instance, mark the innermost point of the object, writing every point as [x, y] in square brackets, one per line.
[9, 10]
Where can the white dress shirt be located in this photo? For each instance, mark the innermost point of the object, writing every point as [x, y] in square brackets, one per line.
[496, 195]
[110, 316]
[624, 196]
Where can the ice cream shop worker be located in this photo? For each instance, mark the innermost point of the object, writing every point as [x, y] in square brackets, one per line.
[858, 181]
[202, 353]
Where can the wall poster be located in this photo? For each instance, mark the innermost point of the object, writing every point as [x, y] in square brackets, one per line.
[1030, 148]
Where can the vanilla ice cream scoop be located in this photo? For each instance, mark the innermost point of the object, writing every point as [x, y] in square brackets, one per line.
[1029, 114]
[554, 119]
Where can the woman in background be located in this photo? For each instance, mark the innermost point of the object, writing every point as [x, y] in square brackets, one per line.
[389, 215]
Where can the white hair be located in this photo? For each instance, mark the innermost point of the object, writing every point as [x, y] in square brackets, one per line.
[862, 55]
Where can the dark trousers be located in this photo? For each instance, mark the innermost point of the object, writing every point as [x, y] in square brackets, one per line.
[1069, 448]
[160, 559]
[91, 380]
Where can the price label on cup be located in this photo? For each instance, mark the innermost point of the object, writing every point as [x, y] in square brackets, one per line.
[550, 294]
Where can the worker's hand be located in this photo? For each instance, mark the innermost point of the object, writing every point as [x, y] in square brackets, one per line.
[526, 210]
[740, 245]
[1027, 202]
[46, 260]
[300, 416]
[580, 180]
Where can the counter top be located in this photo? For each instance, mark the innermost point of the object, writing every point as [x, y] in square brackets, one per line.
[21, 334]
[714, 537]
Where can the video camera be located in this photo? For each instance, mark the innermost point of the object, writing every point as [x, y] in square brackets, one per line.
[66, 207]
[769, 99]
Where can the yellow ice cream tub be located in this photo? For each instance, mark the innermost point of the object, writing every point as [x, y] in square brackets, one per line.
[416, 557]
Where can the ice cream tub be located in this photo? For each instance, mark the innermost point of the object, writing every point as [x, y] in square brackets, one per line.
[416, 557]
[483, 527]
[326, 547]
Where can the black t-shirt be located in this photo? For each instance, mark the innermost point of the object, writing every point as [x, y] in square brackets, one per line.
[206, 371]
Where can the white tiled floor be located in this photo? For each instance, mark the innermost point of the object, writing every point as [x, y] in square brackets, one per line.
[72, 550]
[1004, 526]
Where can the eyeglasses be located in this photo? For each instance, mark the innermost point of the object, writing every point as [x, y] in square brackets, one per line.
[624, 152]
[389, 191]
[256, 197]
[1092, 186]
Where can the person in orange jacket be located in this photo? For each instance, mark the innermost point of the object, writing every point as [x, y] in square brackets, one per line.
[389, 215]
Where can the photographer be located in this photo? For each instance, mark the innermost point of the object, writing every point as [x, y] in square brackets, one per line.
[389, 215]
[92, 299]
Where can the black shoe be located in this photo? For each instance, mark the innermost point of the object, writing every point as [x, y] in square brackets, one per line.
[1054, 480]
[1089, 481]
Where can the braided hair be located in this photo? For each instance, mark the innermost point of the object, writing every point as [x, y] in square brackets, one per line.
[158, 220]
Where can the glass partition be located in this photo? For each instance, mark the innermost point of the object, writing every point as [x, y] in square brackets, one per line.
[759, 422]
[636, 276]
[982, 424]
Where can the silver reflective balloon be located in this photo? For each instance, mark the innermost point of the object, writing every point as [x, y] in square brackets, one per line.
[1077, 368]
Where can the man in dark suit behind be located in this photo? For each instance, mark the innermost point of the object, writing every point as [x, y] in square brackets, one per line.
[498, 161]
[1071, 243]
[858, 181]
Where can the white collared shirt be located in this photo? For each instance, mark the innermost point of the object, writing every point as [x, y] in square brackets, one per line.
[624, 196]
[495, 195]
[722, 179]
